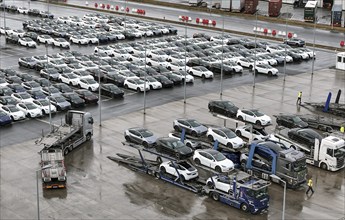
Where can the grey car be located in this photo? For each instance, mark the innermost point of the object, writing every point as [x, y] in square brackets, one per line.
[140, 136]
[191, 126]
[60, 103]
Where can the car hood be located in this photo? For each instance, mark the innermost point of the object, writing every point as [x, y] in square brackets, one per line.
[237, 141]
[226, 163]
[185, 150]
[201, 129]
[302, 124]
[265, 118]
[151, 139]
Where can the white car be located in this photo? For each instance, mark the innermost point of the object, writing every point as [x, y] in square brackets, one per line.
[273, 49]
[63, 20]
[156, 61]
[138, 58]
[28, 42]
[18, 33]
[23, 10]
[136, 84]
[22, 97]
[58, 63]
[266, 69]
[157, 54]
[92, 39]
[69, 78]
[13, 112]
[118, 35]
[247, 62]
[104, 49]
[79, 40]
[152, 82]
[220, 182]
[213, 159]
[181, 169]
[61, 42]
[224, 136]
[30, 110]
[176, 66]
[200, 71]
[45, 39]
[253, 116]
[43, 105]
[251, 133]
[89, 84]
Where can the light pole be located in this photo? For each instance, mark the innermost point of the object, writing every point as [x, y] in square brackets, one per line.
[286, 37]
[125, 13]
[256, 27]
[313, 61]
[99, 98]
[276, 178]
[222, 67]
[145, 78]
[185, 61]
[4, 17]
[37, 188]
[49, 95]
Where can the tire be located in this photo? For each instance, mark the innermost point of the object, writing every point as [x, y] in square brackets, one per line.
[43, 112]
[240, 118]
[79, 86]
[88, 136]
[210, 184]
[79, 42]
[159, 160]
[323, 166]
[28, 115]
[269, 73]
[194, 134]
[189, 145]
[238, 133]
[70, 83]
[176, 128]
[163, 170]
[256, 71]
[197, 161]
[244, 207]
[210, 137]
[203, 76]
[127, 138]
[145, 144]
[243, 163]
[250, 67]
[66, 151]
[215, 196]
[138, 89]
[149, 64]
[258, 123]
[12, 118]
[218, 169]
[191, 73]
[126, 86]
[182, 178]
[229, 145]
[177, 155]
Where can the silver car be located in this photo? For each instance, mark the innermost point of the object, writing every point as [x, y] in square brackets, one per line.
[191, 126]
[140, 136]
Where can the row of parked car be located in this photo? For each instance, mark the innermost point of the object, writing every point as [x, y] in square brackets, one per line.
[27, 11]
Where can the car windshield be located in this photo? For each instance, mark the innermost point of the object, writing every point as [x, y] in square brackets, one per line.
[299, 165]
[296, 119]
[60, 99]
[30, 106]
[44, 102]
[146, 133]
[194, 123]
[13, 109]
[257, 113]
[90, 81]
[229, 133]
[257, 193]
[340, 152]
[72, 76]
[228, 104]
[25, 96]
[219, 156]
[176, 144]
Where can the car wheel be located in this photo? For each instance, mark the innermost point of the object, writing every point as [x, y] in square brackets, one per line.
[66, 151]
[238, 133]
[79, 42]
[203, 76]
[163, 170]
[194, 134]
[176, 128]
[71, 84]
[177, 155]
[250, 67]
[270, 73]
[79, 86]
[323, 166]
[215, 196]
[27, 45]
[218, 169]
[256, 71]
[149, 64]
[229, 145]
[138, 89]
[197, 161]
[182, 178]
[28, 115]
[43, 112]
[240, 118]
[244, 207]
[12, 118]
[127, 138]
[90, 89]
[88, 137]
[126, 86]
[210, 137]
[145, 144]
[258, 123]
[191, 73]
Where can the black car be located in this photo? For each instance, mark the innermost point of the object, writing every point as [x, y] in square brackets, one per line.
[46, 14]
[305, 136]
[16, 88]
[14, 79]
[129, 35]
[25, 77]
[88, 96]
[173, 147]
[74, 99]
[295, 42]
[225, 108]
[12, 39]
[111, 90]
[34, 12]
[95, 73]
[63, 88]
[295, 56]
[37, 94]
[202, 35]
[173, 77]
[115, 78]
[5, 91]
[291, 121]
[217, 67]
[9, 72]
[43, 82]
[166, 83]
[8, 100]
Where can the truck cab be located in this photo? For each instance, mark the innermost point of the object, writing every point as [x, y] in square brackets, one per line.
[330, 154]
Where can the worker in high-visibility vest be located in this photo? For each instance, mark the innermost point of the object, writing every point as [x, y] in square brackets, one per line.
[310, 186]
[299, 98]
[342, 129]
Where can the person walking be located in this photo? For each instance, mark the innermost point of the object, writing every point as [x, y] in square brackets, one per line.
[299, 98]
[310, 186]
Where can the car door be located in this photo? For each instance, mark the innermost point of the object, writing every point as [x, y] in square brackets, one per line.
[250, 117]
[217, 135]
[185, 125]
[205, 159]
[135, 136]
[222, 185]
